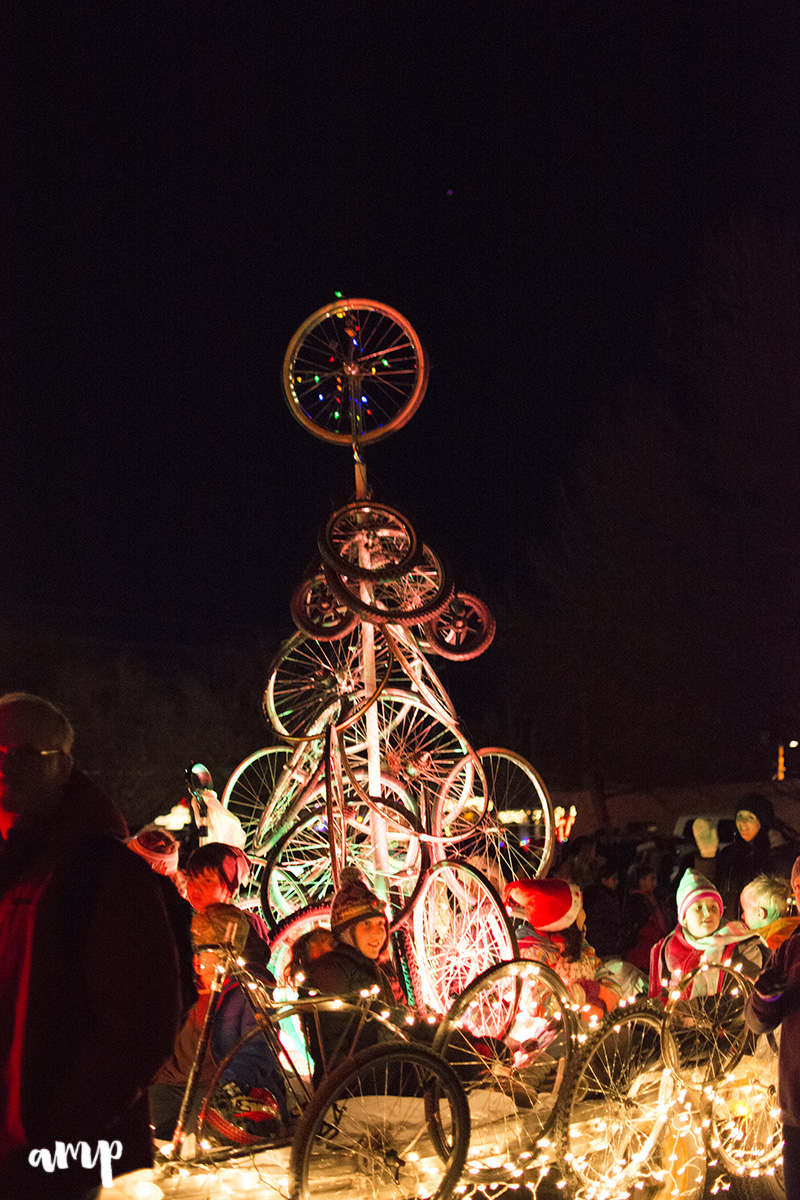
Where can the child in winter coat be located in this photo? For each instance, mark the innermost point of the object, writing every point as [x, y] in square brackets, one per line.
[553, 934]
[355, 968]
[250, 1101]
[699, 937]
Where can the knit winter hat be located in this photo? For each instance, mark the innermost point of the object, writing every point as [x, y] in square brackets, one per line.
[692, 888]
[760, 807]
[353, 902]
[550, 904]
[157, 847]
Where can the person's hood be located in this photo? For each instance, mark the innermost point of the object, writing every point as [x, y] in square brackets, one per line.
[760, 807]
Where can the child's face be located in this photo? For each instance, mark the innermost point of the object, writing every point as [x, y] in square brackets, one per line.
[207, 888]
[754, 914]
[205, 965]
[702, 918]
[369, 936]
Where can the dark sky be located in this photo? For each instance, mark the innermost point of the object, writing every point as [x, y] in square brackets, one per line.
[527, 183]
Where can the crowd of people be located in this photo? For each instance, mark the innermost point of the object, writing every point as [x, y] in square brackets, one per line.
[109, 953]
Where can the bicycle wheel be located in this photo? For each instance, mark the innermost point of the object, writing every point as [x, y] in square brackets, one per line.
[266, 778]
[521, 1028]
[391, 1123]
[313, 683]
[297, 871]
[460, 929]
[705, 1034]
[513, 786]
[616, 1103]
[744, 1122]
[266, 782]
[418, 595]
[416, 746]
[318, 613]
[365, 540]
[461, 631]
[358, 348]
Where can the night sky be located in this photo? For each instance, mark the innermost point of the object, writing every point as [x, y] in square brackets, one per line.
[528, 183]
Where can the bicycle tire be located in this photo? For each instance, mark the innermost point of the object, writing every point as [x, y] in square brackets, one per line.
[460, 929]
[705, 1035]
[264, 785]
[315, 883]
[512, 784]
[462, 630]
[312, 684]
[743, 1126]
[321, 357]
[418, 595]
[358, 1137]
[370, 541]
[317, 612]
[522, 1038]
[288, 930]
[416, 745]
[616, 1101]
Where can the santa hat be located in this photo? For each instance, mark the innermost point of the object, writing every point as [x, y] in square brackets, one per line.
[550, 904]
[353, 902]
[693, 888]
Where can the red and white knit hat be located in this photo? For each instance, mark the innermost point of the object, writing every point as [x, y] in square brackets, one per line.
[692, 888]
[550, 904]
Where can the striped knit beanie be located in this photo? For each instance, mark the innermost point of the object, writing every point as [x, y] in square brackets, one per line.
[353, 902]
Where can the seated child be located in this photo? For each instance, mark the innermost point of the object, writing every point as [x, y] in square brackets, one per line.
[697, 938]
[214, 875]
[250, 1099]
[361, 933]
[352, 968]
[553, 934]
[767, 903]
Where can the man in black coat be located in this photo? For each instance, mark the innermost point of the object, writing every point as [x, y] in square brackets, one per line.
[90, 978]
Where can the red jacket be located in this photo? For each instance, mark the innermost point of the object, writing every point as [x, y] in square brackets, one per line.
[90, 992]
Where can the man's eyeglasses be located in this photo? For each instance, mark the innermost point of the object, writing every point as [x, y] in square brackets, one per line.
[16, 756]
